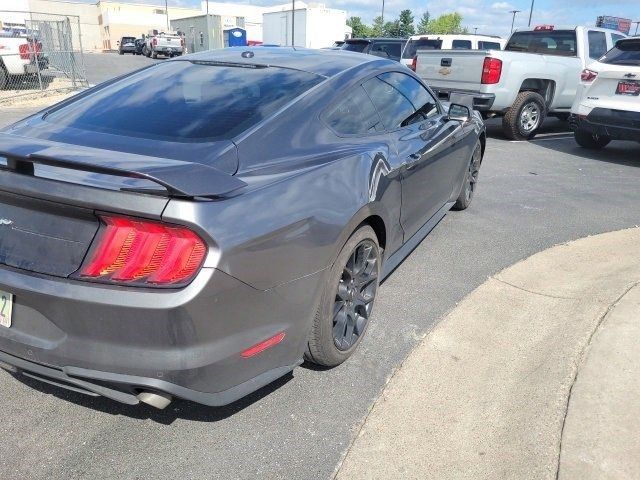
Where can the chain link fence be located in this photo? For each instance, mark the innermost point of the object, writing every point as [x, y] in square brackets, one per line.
[41, 54]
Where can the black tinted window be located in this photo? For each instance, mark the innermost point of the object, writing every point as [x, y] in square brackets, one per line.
[422, 101]
[615, 37]
[461, 44]
[355, 114]
[393, 107]
[597, 44]
[624, 53]
[355, 46]
[488, 46]
[186, 101]
[386, 49]
[554, 42]
[413, 46]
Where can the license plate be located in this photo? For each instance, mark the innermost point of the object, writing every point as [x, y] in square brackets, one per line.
[6, 308]
[628, 87]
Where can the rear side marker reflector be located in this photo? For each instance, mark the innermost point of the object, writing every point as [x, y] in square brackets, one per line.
[262, 346]
[142, 252]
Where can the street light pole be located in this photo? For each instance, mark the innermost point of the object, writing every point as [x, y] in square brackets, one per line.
[293, 22]
[382, 13]
[637, 22]
[166, 11]
[531, 11]
[475, 30]
[513, 20]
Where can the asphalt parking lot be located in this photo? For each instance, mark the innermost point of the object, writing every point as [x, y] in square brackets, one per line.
[531, 196]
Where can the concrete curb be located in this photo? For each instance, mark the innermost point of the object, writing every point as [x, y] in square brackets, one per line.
[485, 394]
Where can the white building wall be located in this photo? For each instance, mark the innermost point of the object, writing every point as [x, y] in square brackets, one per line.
[316, 26]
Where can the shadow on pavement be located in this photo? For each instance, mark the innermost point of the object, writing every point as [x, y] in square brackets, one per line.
[617, 152]
[178, 409]
[550, 126]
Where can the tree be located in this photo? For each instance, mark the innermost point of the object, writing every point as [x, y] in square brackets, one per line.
[405, 24]
[423, 25]
[446, 24]
[359, 29]
[377, 29]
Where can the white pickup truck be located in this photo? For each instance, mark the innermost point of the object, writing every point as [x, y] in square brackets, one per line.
[161, 43]
[537, 74]
[18, 57]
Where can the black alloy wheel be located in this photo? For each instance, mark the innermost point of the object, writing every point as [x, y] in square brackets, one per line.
[470, 180]
[355, 294]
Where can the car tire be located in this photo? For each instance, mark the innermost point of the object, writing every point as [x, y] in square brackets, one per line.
[589, 140]
[154, 55]
[524, 118]
[120, 52]
[347, 301]
[470, 180]
[4, 77]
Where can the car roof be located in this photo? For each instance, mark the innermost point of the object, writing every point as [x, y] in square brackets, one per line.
[375, 39]
[320, 62]
[432, 36]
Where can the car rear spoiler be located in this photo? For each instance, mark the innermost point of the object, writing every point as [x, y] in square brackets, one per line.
[178, 177]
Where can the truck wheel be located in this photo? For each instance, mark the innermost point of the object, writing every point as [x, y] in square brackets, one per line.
[154, 55]
[589, 140]
[4, 77]
[525, 116]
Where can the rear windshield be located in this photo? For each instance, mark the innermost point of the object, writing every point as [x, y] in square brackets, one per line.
[554, 42]
[186, 101]
[420, 44]
[354, 46]
[624, 53]
[128, 39]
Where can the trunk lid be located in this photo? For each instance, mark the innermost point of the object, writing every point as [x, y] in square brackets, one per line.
[617, 87]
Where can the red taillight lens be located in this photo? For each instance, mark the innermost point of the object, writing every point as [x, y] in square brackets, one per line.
[27, 50]
[588, 75]
[154, 42]
[491, 71]
[262, 346]
[129, 250]
[414, 63]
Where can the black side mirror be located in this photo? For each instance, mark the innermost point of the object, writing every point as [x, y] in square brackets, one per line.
[459, 112]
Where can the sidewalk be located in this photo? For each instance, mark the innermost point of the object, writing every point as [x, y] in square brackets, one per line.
[536, 374]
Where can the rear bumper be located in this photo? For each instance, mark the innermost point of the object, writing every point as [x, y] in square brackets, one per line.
[116, 341]
[481, 101]
[615, 124]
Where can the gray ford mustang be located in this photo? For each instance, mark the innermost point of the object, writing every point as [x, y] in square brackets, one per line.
[197, 228]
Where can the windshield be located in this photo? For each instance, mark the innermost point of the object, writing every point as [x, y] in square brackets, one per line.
[553, 42]
[186, 101]
[354, 46]
[420, 44]
[128, 39]
[624, 53]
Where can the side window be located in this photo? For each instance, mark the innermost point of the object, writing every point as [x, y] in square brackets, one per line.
[423, 102]
[393, 107]
[355, 114]
[461, 44]
[597, 44]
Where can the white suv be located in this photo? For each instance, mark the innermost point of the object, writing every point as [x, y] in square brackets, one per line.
[607, 105]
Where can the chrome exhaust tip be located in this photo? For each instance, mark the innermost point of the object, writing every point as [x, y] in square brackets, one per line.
[157, 400]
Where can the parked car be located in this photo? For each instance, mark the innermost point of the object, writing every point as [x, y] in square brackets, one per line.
[166, 44]
[536, 75]
[448, 42]
[382, 47]
[607, 106]
[127, 45]
[20, 56]
[142, 263]
[139, 43]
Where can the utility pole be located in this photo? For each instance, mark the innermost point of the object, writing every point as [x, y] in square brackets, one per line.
[382, 13]
[531, 11]
[637, 22]
[513, 20]
[293, 22]
[166, 11]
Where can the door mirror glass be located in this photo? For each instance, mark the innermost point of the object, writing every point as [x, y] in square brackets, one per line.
[459, 112]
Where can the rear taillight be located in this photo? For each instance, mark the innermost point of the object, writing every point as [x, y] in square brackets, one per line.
[145, 253]
[414, 63]
[154, 42]
[182, 42]
[491, 70]
[588, 75]
[27, 50]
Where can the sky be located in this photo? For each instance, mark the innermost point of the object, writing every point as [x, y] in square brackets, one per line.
[488, 16]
